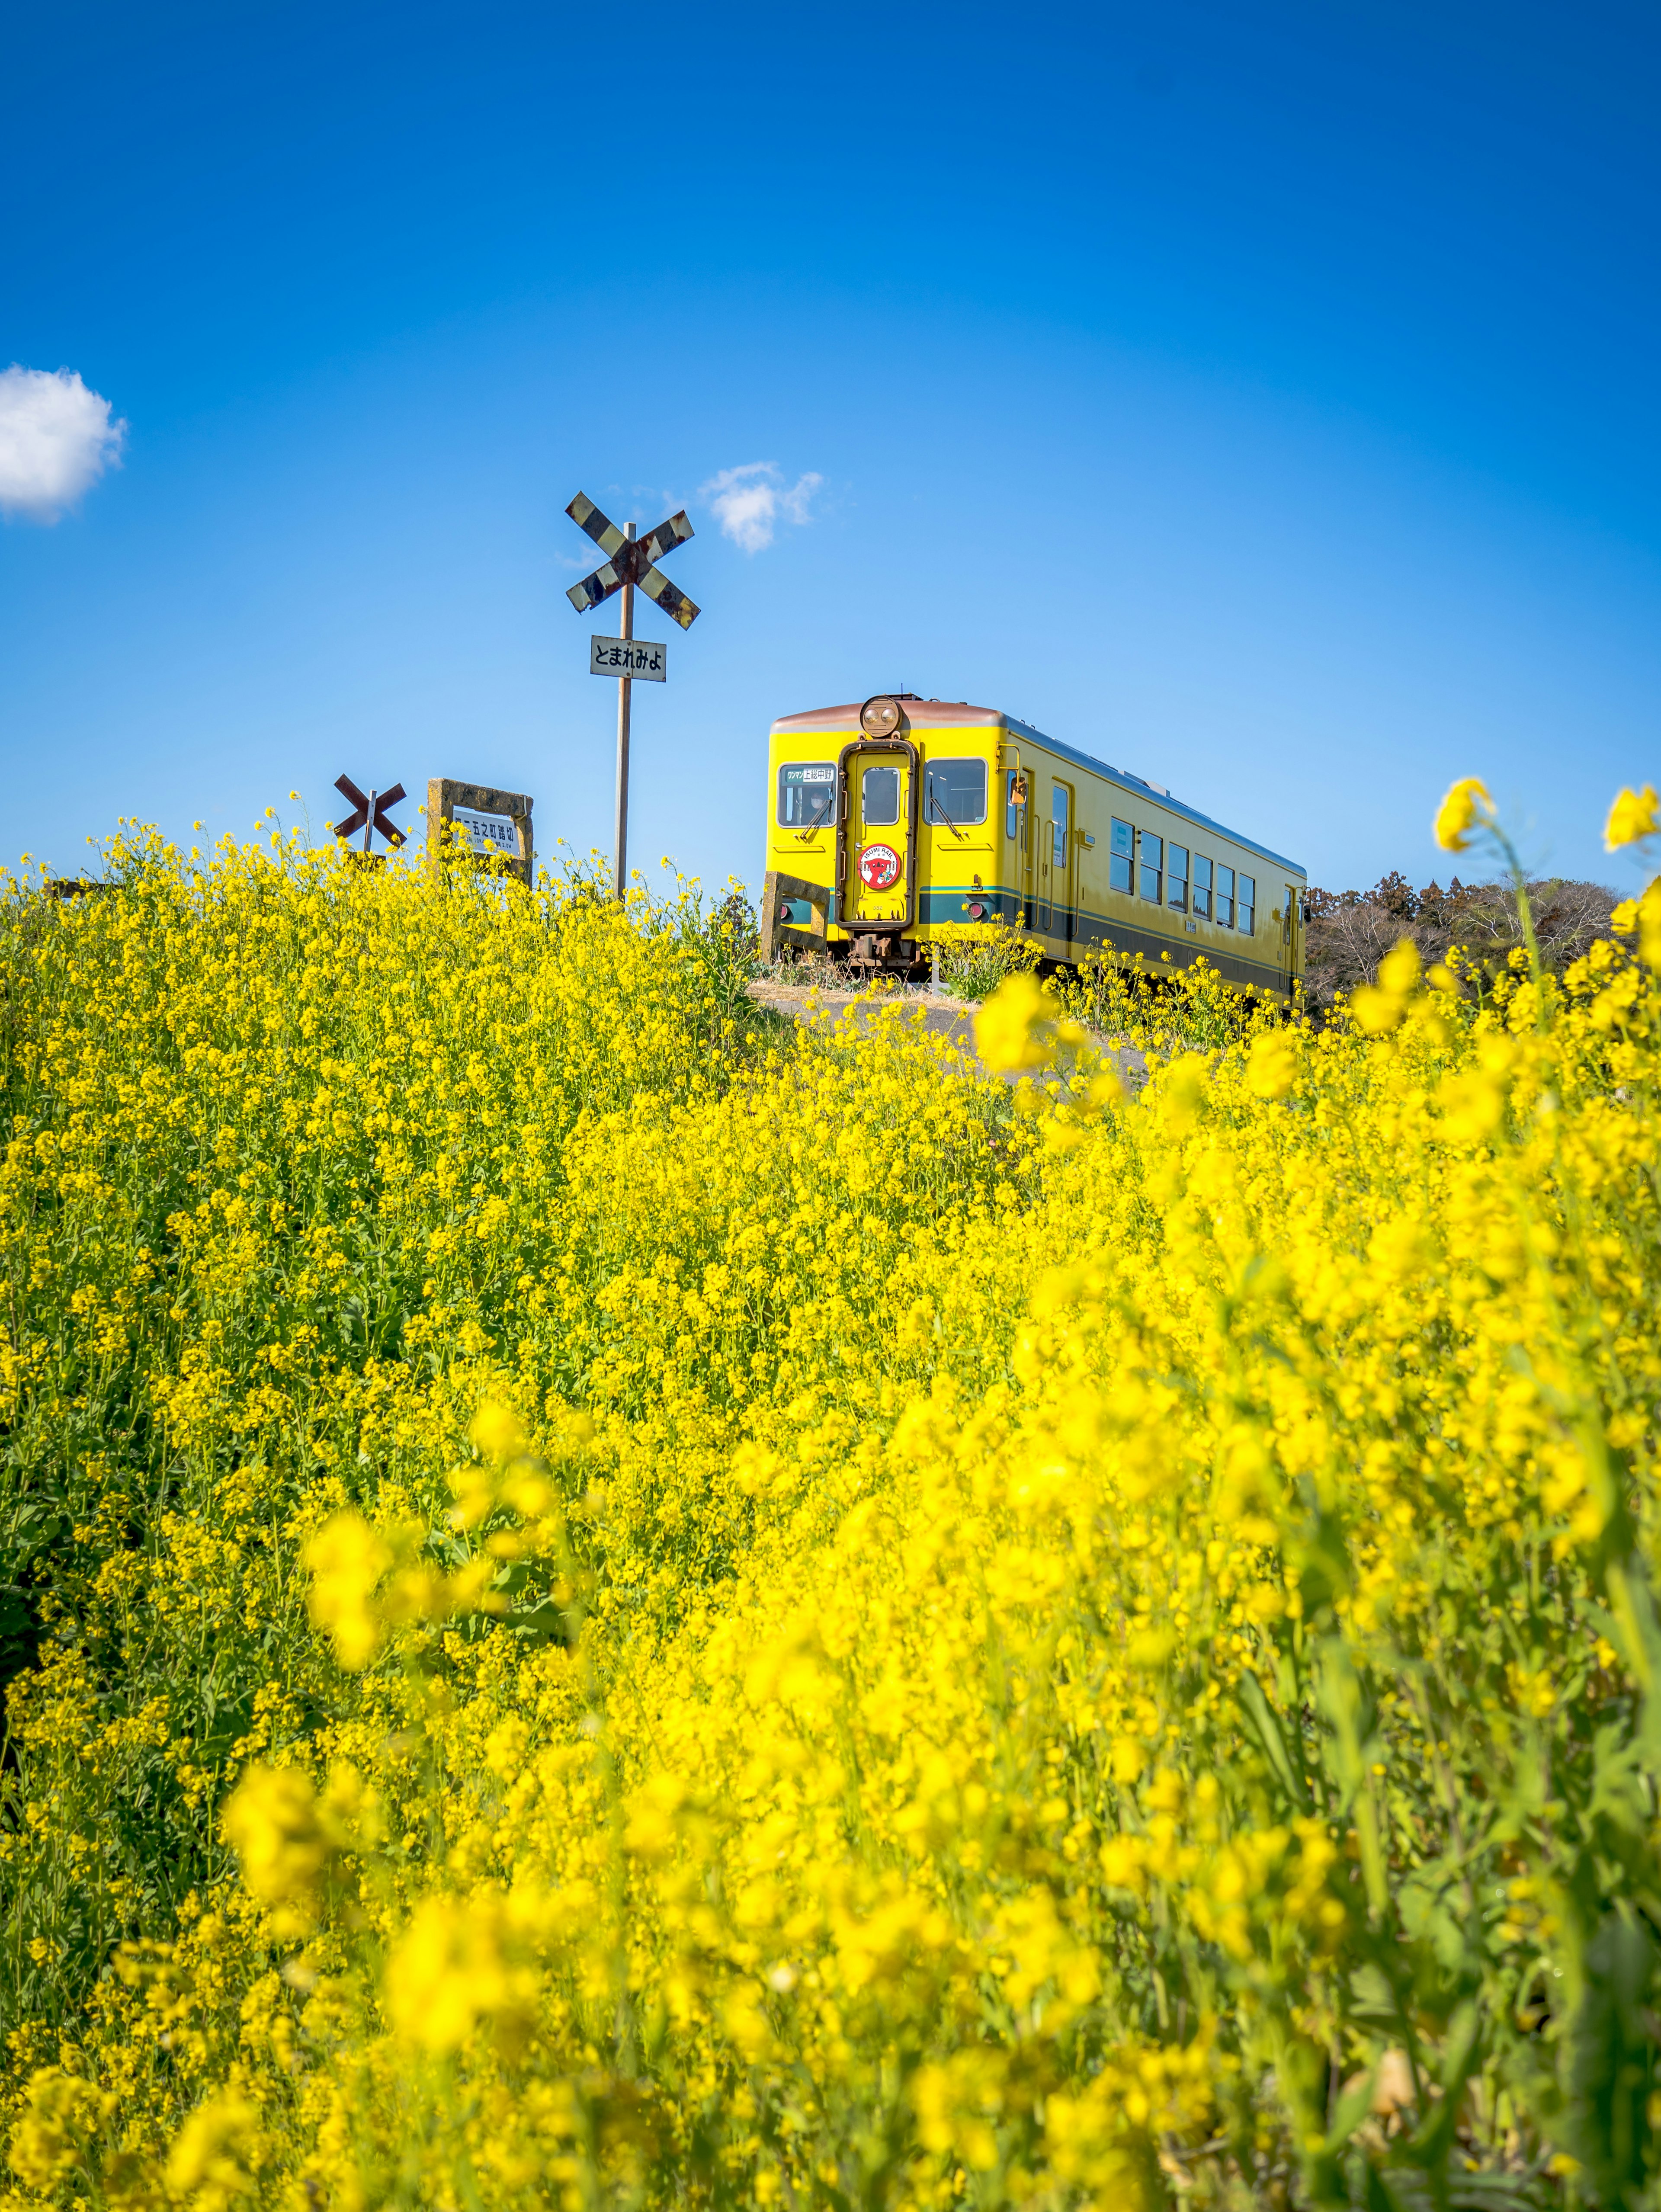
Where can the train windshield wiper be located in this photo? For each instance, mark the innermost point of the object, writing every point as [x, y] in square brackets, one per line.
[942, 812]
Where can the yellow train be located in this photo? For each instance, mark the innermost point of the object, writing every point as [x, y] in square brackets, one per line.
[894, 824]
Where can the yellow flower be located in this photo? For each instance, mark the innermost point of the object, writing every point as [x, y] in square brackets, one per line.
[62, 2116]
[969, 1558]
[273, 1823]
[1401, 1249]
[1649, 926]
[1128, 1758]
[1106, 1090]
[1466, 807]
[1184, 1088]
[454, 1969]
[1633, 817]
[1644, 915]
[216, 2155]
[1472, 1107]
[1272, 1067]
[495, 1430]
[347, 1560]
[1398, 971]
[1379, 1008]
[1376, 1011]
[1016, 1029]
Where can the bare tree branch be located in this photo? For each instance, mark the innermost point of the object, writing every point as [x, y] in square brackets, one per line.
[1350, 932]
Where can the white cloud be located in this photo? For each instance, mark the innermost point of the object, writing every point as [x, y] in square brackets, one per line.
[56, 439]
[750, 500]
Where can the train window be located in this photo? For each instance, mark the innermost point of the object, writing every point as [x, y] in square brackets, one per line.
[1248, 920]
[1058, 824]
[1119, 857]
[807, 794]
[954, 792]
[1175, 875]
[879, 796]
[1201, 884]
[1152, 866]
[1014, 809]
[1225, 896]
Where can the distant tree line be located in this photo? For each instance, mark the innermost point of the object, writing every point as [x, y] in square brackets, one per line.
[1350, 932]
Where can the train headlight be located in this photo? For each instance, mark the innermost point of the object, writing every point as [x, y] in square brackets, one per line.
[880, 717]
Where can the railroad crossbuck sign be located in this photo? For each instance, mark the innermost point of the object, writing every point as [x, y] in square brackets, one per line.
[630, 560]
[371, 814]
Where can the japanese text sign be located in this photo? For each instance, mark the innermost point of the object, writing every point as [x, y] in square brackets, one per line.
[628, 656]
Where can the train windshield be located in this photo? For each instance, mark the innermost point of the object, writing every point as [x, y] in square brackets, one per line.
[807, 794]
[954, 791]
[880, 797]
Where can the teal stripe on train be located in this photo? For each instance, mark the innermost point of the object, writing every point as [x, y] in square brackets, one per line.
[952, 903]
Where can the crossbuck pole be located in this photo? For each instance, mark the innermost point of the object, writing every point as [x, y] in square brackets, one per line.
[623, 743]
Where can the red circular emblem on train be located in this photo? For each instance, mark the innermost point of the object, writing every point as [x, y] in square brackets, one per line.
[880, 867]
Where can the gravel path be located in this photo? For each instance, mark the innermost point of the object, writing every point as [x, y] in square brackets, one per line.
[950, 1018]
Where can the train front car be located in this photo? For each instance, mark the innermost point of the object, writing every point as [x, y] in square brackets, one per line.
[881, 835]
[903, 823]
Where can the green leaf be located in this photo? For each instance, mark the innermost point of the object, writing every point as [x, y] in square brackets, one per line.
[1266, 1724]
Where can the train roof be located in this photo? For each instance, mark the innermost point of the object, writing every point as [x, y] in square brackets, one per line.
[958, 714]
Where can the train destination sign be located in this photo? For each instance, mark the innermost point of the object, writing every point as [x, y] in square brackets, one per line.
[628, 656]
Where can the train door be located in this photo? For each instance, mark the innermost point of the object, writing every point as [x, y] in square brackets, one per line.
[877, 833]
[1029, 846]
[1290, 916]
[1017, 871]
[1063, 860]
[1043, 855]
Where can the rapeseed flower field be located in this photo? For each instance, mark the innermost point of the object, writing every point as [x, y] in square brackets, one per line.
[613, 1604]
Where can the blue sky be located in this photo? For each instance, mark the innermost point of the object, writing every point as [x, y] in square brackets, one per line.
[1262, 397]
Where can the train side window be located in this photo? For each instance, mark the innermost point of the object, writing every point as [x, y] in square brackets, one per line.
[879, 796]
[1120, 856]
[1176, 876]
[1014, 809]
[954, 792]
[1152, 866]
[1201, 884]
[807, 794]
[1058, 824]
[1248, 920]
[1225, 896]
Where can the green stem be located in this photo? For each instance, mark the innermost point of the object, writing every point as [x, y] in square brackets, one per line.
[1526, 915]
